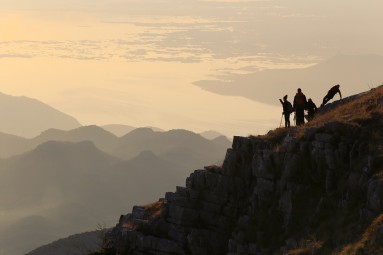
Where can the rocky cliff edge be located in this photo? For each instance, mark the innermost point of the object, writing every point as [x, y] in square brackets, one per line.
[316, 189]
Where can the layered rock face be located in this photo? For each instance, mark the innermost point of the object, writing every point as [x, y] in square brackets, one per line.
[314, 190]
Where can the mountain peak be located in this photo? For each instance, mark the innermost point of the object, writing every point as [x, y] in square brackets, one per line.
[140, 131]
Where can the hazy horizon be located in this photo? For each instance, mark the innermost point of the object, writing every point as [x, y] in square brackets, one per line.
[197, 65]
[137, 62]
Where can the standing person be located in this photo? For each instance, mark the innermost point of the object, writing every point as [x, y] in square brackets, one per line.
[287, 110]
[299, 106]
[311, 109]
[331, 93]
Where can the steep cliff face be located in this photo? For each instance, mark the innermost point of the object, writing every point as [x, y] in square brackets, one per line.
[317, 189]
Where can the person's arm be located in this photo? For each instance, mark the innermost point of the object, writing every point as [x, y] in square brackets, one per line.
[340, 94]
[280, 100]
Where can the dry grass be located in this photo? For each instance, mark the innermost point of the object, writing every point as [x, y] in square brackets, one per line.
[214, 168]
[309, 247]
[155, 209]
[353, 111]
[365, 241]
[379, 176]
[128, 225]
[350, 111]
[277, 135]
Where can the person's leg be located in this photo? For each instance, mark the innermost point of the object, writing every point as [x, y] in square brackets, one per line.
[299, 117]
[288, 120]
[302, 114]
[285, 121]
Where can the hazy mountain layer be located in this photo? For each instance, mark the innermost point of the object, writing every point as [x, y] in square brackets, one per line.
[28, 117]
[60, 188]
[118, 130]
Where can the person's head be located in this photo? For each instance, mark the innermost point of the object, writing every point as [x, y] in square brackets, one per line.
[337, 86]
[299, 90]
[309, 100]
[285, 98]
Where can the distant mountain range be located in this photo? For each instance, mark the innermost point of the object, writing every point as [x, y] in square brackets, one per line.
[211, 134]
[58, 177]
[69, 181]
[125, 147]
[27, 117]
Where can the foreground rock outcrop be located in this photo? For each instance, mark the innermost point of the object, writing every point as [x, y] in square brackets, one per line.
[311, 190]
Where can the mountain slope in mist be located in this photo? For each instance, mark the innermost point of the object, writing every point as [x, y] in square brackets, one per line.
[50, 190]
[12, 145]
[103, 139]
[78, 244]
[182, 146]
[27, 117]
[117, 129]
[72, 186]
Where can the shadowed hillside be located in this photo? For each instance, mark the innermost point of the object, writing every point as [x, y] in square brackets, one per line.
[314, 189]
[78, 244]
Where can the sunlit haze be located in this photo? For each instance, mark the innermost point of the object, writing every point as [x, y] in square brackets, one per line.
[108, 104]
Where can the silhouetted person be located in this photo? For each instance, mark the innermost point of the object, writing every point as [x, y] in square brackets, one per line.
[311, 109]
[287, 110]
[331, 93]
[299, 106]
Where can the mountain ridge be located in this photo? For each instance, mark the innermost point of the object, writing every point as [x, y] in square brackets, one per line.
[65, 182]
[17, 113]
[314, 189]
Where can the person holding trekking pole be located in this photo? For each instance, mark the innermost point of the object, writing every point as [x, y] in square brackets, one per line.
[287, 110]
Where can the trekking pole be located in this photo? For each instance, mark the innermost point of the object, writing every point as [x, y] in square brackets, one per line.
[280, 124]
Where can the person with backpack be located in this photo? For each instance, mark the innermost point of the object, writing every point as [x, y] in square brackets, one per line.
[299, 107]
[311, 109]
[287, 110]
[331, 93]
